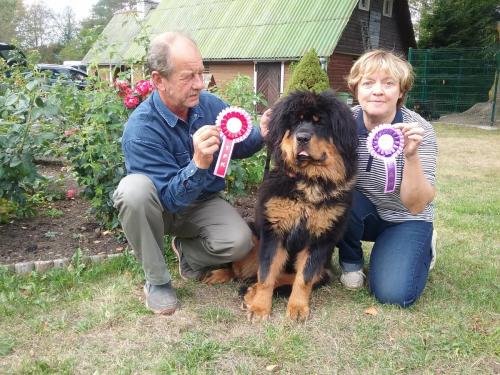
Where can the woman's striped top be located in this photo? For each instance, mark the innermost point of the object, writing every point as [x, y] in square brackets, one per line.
[371, 172]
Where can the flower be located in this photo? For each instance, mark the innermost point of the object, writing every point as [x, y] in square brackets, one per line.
[70, 132]
[124, 92]
[131, 101]
[70, 194]
[121, 84]
[143, 87]
[132, 98]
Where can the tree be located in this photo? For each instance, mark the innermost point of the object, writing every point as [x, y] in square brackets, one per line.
[79, 45]
[103, 10]
[36, 28]
[452, 23]
[308, 75]
[12, 11]
[67, 26]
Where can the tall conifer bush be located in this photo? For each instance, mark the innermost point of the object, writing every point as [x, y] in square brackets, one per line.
[308, 75]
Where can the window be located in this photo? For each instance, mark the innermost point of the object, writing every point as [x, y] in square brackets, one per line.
[387, 9]
[364, 4]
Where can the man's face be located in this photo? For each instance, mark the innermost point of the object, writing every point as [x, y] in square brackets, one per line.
[181, 90]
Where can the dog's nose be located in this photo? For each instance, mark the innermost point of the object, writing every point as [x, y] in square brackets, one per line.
[303, 137]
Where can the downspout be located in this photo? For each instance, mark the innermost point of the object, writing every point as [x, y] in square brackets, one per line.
[282, 78]
[255, 77]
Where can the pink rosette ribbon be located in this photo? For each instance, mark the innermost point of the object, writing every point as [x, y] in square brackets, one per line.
[385, 143]
[235, 125]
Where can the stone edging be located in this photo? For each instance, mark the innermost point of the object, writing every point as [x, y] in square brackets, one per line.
[40, 266]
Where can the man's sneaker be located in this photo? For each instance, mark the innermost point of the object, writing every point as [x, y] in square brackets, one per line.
[185, 270]
[160, 299]
[353, 280]
[433, 248]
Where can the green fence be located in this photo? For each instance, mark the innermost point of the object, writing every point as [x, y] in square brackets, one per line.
[451, 80]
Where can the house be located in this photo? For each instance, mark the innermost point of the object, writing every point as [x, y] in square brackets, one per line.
[261, 38]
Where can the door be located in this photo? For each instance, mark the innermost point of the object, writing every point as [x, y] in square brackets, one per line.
[268, 83]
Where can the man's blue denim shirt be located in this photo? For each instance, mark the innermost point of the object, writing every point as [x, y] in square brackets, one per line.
[158, 144]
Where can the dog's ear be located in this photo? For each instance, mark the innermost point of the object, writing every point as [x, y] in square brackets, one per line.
[281, 119]
[344, 128]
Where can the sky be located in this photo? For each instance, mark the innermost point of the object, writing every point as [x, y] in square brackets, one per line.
[80, 7]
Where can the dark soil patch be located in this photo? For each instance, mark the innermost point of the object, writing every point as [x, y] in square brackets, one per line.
[48, 236]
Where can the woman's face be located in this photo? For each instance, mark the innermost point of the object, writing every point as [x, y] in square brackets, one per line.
[378, 95]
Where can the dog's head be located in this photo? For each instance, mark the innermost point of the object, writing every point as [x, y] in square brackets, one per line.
[314, 135]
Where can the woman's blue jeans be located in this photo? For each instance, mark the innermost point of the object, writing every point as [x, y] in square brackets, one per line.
[400, 257]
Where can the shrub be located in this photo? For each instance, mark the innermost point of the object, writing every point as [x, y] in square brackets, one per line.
[308, 75]
[25, 128]
[95, 152]
[240, 93]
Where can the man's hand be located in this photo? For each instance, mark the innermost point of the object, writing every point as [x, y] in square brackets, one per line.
[264, 122]
[206, 142]
[413, 135]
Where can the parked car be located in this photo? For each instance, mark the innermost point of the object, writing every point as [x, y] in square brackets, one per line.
[77, 64]
[65, 74]
[12, 55]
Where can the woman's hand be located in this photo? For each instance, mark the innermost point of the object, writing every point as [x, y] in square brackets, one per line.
[413, 135]
[264, 122]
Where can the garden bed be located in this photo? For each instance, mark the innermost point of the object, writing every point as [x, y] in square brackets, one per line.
[64, 226]
[58, 229]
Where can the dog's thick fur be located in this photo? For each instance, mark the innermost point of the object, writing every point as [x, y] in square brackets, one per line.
[303, 205]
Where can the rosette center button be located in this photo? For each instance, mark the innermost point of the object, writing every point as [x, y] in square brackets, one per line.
[386, 142]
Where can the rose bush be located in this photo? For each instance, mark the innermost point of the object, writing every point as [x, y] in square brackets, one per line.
[84, 127]
[25, 131]
[133, 97]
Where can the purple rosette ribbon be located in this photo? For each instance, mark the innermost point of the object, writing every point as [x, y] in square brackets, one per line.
[385, 143]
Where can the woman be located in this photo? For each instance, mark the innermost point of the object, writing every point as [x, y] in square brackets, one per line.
[399, 222]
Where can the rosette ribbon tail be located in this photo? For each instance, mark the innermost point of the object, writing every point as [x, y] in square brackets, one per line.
[224, 157]
[390, 175]
[235, 126]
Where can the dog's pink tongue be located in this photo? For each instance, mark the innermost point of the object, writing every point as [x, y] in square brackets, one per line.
[303, 153]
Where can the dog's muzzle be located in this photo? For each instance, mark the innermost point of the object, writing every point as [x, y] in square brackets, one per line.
[303, 136]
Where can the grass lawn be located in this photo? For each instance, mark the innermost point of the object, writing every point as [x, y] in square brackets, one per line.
[93, 320]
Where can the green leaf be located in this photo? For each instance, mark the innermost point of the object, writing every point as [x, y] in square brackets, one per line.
[39, 102]
[11, 100]
[15, 161]
[31, 85]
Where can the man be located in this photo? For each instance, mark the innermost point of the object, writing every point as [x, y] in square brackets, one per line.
[170, 146]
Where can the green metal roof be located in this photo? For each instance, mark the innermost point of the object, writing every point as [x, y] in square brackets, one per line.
[115, 40]
[246, 29]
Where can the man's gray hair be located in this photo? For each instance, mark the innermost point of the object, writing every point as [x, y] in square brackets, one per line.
[159, 58]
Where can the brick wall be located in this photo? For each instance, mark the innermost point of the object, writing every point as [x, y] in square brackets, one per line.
[224, 72]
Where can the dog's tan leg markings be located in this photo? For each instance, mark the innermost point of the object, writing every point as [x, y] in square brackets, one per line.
[243, 269]
[284, 279]
[219, 276]
[298, 304]
[259, 296]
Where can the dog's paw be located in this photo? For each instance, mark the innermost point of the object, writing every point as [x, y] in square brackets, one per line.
[297, 312]
[257, 304]
[256, 314]
[219, 276]
[250, 294]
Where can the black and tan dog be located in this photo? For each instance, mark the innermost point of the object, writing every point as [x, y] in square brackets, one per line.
[303, 205]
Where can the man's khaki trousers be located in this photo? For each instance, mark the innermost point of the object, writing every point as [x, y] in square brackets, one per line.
[211, 231]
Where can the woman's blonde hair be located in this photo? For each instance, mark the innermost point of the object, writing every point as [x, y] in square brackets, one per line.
[382, 61]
